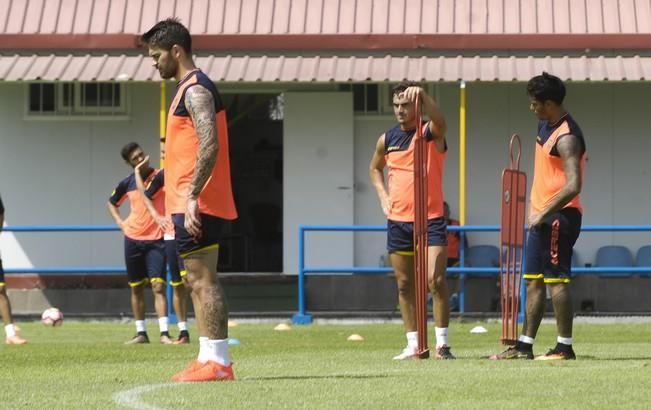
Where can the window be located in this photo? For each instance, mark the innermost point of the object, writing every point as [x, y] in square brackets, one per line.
[104, 99]
[376, 99]
[370, 98]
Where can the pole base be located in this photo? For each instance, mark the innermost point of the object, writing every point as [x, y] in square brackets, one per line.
[508, 342]
[301, 319]
[422, 354]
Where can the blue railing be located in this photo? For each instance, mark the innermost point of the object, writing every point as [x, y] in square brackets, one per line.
[302, 317]
[78, 270]
[90, 270]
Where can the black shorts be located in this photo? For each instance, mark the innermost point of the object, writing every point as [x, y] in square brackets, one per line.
[211, 229]
[174, 263]
[145, 261]
[2, 274]
[400, 235]
[549, 247]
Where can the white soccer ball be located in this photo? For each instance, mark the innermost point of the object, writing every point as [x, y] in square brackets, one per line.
[52, 317]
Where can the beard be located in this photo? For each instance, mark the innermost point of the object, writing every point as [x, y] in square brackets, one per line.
[169, 71]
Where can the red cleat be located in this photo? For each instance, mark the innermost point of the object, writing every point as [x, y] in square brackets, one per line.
[209, 372]
[192, 367]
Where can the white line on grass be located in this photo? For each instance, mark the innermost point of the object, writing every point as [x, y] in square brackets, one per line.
[131, 398]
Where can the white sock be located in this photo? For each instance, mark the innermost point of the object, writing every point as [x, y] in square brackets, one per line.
[526, 339]
[203, 349]
[183, 326]
[10, 330]
[412, 339]
[564, 340]
[441, 336]
[140, 325]
[163, 324]
[218, 351]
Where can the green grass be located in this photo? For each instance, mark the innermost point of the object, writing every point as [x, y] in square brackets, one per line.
[85, 365]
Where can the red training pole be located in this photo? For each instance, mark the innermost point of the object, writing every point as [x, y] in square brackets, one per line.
[420, 232]
[514, 185]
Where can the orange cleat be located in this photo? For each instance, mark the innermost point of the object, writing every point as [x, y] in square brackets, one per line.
[182, 340]
[209, 372]
[192, 367]
[15, 340]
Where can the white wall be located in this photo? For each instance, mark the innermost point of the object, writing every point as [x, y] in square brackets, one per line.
[616, 183]
[62, 172]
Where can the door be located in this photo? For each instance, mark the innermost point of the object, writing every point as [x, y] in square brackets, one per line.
[318, 177]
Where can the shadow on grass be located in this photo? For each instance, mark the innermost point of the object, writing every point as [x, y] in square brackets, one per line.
[318, 377]
[615, 359]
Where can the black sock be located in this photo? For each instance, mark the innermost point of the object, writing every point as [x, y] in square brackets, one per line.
[165, 333]
[524, 347]
[142, 334]
[184, 333]
[562, 347]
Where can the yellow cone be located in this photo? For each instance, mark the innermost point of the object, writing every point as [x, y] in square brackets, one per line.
[232, 323]
[282, 327]
[355, 338]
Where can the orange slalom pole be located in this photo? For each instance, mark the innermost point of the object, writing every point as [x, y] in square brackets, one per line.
[420, 233]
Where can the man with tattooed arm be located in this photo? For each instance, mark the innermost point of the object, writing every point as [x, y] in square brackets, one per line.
[199, 197]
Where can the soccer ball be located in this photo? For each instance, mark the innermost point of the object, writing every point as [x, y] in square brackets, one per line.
[52, 317]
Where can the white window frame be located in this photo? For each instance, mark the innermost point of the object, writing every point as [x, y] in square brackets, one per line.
[77, 112]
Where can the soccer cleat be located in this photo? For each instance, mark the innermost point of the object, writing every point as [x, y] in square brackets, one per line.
[192, 367]
[512, 353]
[407, 353]
[15, 340]
[138, 339]
[443, 353]
[166, 340]
[558, 354]
[183, 339]
[209, 372]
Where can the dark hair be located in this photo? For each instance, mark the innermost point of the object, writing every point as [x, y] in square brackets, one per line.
[166, 33]
[546, 87]
[402, 86]
[128, 149]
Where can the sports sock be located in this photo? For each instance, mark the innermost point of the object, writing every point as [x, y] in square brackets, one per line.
[218, 351]
[525, 343]
[140, 326]
[564, 340]
[412, 339]
[163, 324]
[10, 330]
[441, 336]
[183, 326]
[203, 349]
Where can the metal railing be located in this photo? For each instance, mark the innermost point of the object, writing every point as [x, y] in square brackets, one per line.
[302, 317]
[74, 270]
[79, 270]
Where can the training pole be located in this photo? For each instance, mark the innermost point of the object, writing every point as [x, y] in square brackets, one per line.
[514, 186]
[420, 232]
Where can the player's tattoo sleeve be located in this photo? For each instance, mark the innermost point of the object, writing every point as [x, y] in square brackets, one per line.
[569, 148]
[201, 106]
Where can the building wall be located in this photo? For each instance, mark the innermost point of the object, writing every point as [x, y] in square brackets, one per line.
[616, 183]
[61, 172]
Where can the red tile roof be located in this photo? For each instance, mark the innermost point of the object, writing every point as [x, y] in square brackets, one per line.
[325, 69]
[329, 16]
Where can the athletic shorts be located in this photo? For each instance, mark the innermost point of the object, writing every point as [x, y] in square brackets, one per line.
[174, 263]
[145, 261]
[2, 274]
[211, 229]
[400, 235]
[549, 247]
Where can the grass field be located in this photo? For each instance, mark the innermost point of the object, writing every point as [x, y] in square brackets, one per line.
[85, 365]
